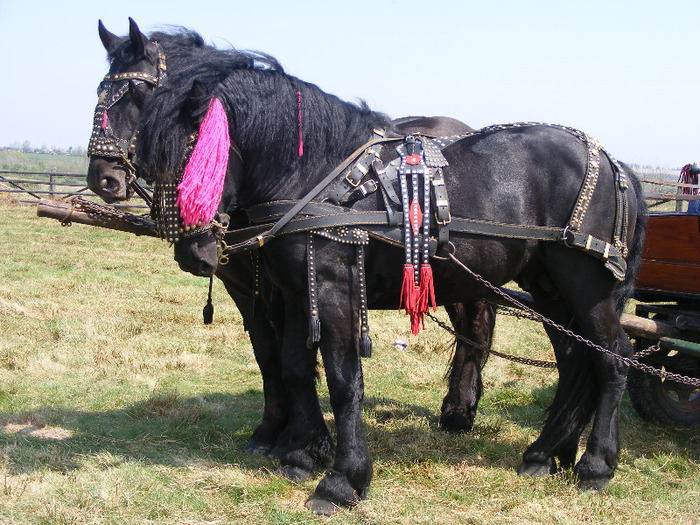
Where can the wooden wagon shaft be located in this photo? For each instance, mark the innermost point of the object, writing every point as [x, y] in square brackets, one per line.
[636, 326]
[67, 213]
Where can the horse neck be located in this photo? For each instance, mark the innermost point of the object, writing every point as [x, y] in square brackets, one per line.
[266, 127]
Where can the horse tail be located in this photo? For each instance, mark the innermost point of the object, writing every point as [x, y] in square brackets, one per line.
[634, 259]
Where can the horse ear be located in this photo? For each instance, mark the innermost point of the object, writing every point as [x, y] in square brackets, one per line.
[109, 40]
[197, 102]
[139, 40]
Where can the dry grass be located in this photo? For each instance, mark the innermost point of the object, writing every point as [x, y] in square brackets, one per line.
[118, 406]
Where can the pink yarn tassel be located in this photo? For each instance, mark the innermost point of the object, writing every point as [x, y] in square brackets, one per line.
[202, 183]
[301, 141]
[104, 119]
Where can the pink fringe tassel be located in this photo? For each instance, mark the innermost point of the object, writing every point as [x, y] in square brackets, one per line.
[202, 183]
[408, 299]
[301, 141]
[417, 300]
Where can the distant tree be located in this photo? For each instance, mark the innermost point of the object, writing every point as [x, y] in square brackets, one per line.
[26, 146]
[78, 151]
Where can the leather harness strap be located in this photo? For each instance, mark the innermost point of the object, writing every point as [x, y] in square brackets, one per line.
[287, 217]
[262, 238]
[316, 216]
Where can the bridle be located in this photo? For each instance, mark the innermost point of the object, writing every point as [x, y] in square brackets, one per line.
[103, 141]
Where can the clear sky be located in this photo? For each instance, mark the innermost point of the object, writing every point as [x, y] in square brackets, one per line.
[625, 71]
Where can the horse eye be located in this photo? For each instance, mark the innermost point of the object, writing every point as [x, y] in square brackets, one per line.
[137, 92]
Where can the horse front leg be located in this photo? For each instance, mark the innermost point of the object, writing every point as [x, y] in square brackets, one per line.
[237, 278]
[276, 410]
[348, 481]
[304, 446]
[475, 321]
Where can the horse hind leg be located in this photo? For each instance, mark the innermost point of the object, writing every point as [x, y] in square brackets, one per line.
[570, 410]
[474, 321]
[590, 381]
[598, 463]
[574, 398]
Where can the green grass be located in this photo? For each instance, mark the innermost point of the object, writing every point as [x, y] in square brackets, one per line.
[19, 161]
[117, 405]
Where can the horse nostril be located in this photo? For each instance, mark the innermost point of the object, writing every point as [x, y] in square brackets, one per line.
[110, 184]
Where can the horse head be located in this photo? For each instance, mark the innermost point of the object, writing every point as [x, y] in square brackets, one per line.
[195, 190]
[137, 67]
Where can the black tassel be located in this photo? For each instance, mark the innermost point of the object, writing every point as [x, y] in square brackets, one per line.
[256, 306]
[365, 345]
[208, 312]
[314, 330]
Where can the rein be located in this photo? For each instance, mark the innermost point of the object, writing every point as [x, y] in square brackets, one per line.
[287, 217]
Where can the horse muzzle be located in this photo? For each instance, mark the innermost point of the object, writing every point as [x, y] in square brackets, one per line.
[107, 178]
[197, 255]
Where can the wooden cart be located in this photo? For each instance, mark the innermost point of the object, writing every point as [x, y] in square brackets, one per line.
[668, 313]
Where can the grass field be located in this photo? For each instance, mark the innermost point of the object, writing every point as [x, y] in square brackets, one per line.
[19, 161]
[117, 405]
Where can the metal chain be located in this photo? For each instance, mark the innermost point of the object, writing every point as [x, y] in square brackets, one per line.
[484, 348]
[633, 362]
[93, 208]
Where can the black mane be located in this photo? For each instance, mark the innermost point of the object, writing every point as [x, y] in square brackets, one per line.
[261, 102]
[187, 52]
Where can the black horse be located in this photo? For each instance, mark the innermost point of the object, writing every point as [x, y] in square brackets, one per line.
[543, 205]
[137, 67]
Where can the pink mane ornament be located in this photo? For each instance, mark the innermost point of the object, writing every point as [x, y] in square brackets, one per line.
[202, 183]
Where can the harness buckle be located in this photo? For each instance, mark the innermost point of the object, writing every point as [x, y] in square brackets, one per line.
[368, 187]
[355, 181]
[446, 221]
[567, 237]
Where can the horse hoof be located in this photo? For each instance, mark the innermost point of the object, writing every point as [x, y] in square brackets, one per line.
[455, 423]
[321, 507]
[537, 470]
[593, 484]
[255, 448]
[295, 474]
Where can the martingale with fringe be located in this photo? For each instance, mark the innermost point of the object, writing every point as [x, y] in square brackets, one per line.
[417, 293]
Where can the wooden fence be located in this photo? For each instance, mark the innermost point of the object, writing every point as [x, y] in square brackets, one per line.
[30, 186]
[660, 187]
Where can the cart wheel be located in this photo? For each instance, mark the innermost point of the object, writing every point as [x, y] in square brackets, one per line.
[663, 401]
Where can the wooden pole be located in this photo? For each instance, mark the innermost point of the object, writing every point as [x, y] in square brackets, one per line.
[67, 213]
